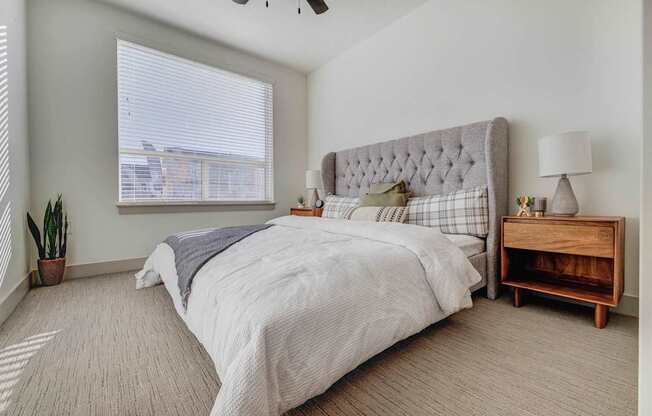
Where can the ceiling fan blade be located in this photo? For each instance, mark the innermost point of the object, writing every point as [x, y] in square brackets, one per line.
[241, 1]
[319, 6]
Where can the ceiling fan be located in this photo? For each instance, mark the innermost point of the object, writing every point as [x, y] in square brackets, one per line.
[319, 6]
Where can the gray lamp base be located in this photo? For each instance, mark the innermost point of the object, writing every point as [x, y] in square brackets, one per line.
[314, 196]
[564, 203]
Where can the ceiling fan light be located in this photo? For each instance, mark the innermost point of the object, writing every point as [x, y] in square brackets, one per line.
[318, 6]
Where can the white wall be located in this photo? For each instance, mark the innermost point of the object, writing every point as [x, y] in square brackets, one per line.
[12, 15]
[73, 121]
[547, 66]
[645, 316]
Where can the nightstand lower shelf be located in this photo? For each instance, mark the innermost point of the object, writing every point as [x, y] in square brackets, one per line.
[565, 289]
[601, 299]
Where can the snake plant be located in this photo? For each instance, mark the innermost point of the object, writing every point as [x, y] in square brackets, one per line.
[55, 231]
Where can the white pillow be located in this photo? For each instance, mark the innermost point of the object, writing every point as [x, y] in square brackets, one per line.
[379, 214]
[339, 206]
[462, 212]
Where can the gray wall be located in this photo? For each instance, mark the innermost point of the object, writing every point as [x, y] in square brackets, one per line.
[12, 15]
[645, 316]
[73, 121]
[547, 66]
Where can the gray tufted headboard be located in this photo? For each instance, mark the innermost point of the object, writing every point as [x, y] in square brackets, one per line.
[433, 163]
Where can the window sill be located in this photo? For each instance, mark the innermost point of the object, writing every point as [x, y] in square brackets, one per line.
[162, 207]
[189, 203]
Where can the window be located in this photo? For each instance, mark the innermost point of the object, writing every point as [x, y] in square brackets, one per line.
[191, 132]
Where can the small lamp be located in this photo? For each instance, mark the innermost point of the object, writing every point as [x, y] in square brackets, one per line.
[564, 155]
[313, 181]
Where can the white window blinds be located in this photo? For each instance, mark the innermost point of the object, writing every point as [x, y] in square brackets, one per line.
[5, 196]
[190, 132]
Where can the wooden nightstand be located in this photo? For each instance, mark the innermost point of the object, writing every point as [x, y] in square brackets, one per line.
[306, 212]
[578, 258]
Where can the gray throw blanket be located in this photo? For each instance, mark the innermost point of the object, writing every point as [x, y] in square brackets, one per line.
[193, 249]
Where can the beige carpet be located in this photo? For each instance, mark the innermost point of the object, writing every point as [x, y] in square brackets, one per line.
[99, 347]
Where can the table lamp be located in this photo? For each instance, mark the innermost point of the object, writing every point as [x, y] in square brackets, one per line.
[564, 155]
[313, 181]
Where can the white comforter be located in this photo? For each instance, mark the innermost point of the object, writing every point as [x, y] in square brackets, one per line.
[289, 310]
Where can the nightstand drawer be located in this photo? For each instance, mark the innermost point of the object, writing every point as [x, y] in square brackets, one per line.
[302, 213]
[306, 212]
[583, 240]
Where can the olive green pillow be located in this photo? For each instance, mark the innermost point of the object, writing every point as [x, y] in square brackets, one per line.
[387, 187]
[389, 199]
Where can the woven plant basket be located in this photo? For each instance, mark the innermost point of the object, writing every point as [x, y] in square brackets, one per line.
[51, 271]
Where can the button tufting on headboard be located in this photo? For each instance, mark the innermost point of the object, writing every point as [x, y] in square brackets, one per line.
[456, 155]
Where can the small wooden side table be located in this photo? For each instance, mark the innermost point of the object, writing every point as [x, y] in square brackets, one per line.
[580, 258]
[306, 212]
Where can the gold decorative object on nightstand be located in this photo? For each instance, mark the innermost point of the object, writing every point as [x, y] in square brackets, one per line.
[580, 258]
[524, 203]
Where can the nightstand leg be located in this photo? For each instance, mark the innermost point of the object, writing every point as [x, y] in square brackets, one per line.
[518, 297]
[601, 316]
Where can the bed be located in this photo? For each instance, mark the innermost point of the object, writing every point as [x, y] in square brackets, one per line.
[290, 309]
[433, 163]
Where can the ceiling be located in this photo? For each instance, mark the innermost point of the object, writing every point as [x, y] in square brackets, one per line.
[303, 42]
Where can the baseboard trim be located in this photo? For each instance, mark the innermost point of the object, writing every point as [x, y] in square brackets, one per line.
[80, 271]
[13, 298]
[628, 306]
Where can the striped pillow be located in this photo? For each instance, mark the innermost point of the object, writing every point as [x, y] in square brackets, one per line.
[339, 206]
[379, 214]
[461, 212]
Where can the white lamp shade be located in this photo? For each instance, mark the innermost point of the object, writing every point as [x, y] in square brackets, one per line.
[313, 179]
[565, 154]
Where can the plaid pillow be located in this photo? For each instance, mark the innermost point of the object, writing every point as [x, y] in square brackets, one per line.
[461, 212]
[339, 206]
